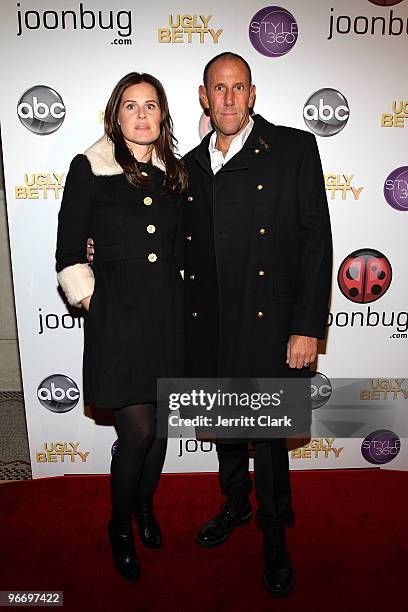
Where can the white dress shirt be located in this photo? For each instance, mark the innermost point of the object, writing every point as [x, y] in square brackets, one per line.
[217, 158]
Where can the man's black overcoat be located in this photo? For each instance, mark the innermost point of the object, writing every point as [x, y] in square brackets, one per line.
[258, 254]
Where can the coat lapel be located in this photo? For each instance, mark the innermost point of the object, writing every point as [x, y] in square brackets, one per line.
[261, 136]
[260, 139]
[202, 155]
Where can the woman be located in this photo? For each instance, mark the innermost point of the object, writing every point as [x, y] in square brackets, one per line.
[123, 192]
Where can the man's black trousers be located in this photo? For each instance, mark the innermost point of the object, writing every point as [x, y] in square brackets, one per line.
[271, 477]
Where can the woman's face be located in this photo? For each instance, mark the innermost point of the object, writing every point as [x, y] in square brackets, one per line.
[139, 115]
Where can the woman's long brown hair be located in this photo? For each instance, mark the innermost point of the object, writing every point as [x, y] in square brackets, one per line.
[165, 146]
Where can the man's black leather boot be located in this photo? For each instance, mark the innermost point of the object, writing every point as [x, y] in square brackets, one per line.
[235, 511]
[278, 573]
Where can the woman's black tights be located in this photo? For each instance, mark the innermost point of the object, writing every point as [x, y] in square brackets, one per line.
[138, 461]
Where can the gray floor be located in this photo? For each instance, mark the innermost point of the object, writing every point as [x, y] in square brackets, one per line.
[14, 452]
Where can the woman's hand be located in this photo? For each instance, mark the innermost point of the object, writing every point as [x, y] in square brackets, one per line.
[90, 251]
[85, 302]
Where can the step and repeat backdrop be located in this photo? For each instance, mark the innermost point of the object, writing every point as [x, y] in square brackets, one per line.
[337, 69]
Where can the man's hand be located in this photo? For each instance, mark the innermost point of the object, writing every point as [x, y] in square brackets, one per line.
[302, 351]
[90, 251]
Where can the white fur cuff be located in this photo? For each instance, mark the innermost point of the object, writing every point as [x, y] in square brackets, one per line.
[77, 282]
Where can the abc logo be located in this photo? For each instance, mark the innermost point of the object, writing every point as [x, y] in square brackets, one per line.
[58, 393]
[321, 390]
[41, 110]
[326, 112]
[364, 276]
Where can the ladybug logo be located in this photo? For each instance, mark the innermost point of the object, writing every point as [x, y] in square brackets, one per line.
[364, 276]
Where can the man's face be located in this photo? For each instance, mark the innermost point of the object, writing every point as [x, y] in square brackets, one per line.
[228, 96]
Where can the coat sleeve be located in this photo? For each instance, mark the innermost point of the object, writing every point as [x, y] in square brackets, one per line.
[311, 307]
[75, 275]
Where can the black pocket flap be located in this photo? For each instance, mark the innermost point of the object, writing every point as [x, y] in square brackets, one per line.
[285, 286]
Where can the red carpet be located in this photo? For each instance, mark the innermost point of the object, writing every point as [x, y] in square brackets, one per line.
[349, 546]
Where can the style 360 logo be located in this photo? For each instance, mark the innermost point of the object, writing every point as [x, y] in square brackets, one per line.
[381, 446]
[273, 31]
[396, 188]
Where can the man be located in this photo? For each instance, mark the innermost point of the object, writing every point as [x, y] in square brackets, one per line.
[257, 281]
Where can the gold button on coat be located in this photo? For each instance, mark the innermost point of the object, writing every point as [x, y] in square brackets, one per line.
[257, 151]
[144, 173]
[148, 200]
[151, 229]
[262, 231]
[190, 198]
[259, 187]
[194, 314]
[260, 314]
[191, 277]
[261, 273]
[152, 257]
[188, 238]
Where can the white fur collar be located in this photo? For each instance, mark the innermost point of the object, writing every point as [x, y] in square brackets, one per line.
[103, 162]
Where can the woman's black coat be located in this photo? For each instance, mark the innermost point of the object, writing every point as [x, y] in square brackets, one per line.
[133, 329]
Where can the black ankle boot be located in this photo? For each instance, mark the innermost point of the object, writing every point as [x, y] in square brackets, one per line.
[235, 511]
[278, 573]
[149, 528]
[124, 554]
